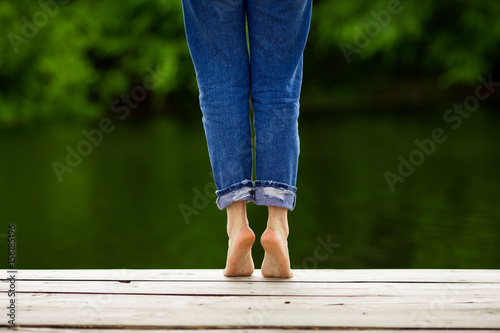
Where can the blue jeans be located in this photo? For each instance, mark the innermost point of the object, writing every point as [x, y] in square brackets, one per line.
[267, 74]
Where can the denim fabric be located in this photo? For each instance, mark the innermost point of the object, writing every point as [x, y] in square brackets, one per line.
[230, 75]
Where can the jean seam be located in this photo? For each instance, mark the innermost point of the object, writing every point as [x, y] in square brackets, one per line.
[235, 186]
[272, 183]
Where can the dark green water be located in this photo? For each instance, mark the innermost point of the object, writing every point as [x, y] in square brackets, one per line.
[121, 206]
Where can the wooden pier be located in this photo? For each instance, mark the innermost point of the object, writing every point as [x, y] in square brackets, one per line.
[184, 300]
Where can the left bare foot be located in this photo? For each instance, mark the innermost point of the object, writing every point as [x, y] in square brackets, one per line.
[239, 255]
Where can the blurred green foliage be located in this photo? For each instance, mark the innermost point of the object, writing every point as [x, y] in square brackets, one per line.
[72, 59]
[452, 40]
[86, 55]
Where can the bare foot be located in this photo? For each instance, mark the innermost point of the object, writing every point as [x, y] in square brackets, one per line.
[276, 258]
[239, 255]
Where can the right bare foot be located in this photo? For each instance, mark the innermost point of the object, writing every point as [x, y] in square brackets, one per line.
[276, 258]
[239, 255]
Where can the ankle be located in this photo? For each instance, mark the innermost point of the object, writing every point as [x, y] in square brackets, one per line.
[278, 229]
[278, 220]
[235, 226]
[236, 217]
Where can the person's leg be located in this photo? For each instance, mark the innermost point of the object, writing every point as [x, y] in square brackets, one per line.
[278, 33]
[274, 241]
[215, 32]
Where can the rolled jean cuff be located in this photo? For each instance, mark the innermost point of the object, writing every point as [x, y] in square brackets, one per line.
[271, 193]
[242, 191]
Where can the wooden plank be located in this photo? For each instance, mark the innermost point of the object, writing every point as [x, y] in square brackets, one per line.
[194, 299]
[368, 289]
[256, 330]
[300, 275]
[253, 312]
